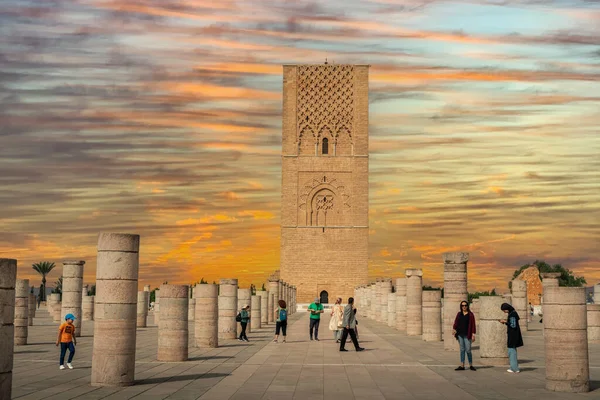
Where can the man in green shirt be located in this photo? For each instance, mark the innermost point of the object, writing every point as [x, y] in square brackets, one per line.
[315, 310]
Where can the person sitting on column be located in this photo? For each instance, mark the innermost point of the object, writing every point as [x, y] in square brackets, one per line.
[315, 310]
[464, 330]
[349, 323]
[281, 320]
[66, 339]
[244, 317]
[514, 337]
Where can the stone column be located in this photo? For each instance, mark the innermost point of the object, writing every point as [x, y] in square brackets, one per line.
[593, 323]
[54, 300]
[192, 304]
[87, 308]
[455, 291]
[475, 306]
[272, 305]
[519, 302]
[432, 315]
[21, 311]
[294, 301]
[597, 294]
[280, 290]
[286, 298]
[414, 300]
[391, 311]
[71, 292]
[8, 276]
[255, 314]
[264, 306]
[378, 294]
[31, 311]
[491, 333]
[549, 279]
[113, 355]
[386, 290]
[401, 304]
[156, 307]
[142, 310]
[227, 308]
[206, 320]
[243, 299]
[565, 339]
[173, 332]
[147, 289]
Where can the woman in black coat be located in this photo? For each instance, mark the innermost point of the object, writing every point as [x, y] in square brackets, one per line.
[513, 333]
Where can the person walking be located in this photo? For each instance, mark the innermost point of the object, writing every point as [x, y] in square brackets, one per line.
[514, 337]
[464, 330]
[281, 320]
[315, 310]
[66, 340]
[337, 316]
[244, 316]
[349, 324]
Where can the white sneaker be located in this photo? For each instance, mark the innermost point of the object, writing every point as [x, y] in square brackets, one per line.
[69, 365]
[61, 367]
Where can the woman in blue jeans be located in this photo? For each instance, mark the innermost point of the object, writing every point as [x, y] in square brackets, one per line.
[464, 331]
[514, 337]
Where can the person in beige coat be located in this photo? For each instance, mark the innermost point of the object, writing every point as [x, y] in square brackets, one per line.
[335, 323]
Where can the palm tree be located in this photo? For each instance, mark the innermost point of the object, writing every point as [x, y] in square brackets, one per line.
[58, 286]
[43, 268]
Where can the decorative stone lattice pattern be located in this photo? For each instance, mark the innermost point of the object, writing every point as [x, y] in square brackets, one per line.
[325, 102]
[323, 201]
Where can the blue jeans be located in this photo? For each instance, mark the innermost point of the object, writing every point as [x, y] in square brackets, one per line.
[512, 358]
[63, 351]
[465, 348]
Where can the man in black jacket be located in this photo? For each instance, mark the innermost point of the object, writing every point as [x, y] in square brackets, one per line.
[349, 324]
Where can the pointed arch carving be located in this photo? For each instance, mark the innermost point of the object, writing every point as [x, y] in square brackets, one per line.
[323, 202]
[307, 141]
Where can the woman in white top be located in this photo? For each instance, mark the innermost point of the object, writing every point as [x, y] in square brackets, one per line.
[337, 317]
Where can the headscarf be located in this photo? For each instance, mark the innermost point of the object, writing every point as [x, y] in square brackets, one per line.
[507, 307]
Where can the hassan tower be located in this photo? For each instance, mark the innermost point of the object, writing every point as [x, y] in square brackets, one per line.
[325, 180]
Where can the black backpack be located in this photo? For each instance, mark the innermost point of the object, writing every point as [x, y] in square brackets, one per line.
[238, 317]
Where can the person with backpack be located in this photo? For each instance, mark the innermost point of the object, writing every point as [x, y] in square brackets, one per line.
[281, 320]
[243, 317]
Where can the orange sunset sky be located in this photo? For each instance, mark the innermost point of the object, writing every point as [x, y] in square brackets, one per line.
[163, 118]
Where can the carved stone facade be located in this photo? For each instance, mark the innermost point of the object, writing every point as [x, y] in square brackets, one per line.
[324, 218]
[531, 275]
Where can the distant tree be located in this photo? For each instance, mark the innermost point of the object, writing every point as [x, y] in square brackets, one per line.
[43, 268]
[58, 286]
[153, 296]
[214, 283]
[252, 289]
[427, 287]
[263, 287]
[566, 276]
[476, 295]
[31, 290]
[92, 291]
[203, 281]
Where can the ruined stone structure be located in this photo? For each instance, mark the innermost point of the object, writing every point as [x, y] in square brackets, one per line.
[325, 159]
[142, 310]
[455, 291]
[21, 311]
[228, 293]
[173, 326]
[87, 308]
[72, 292]
[32, 308]
[255, 315]
[519, 301]
[491, 333]
[531, 275]
[593, 323]
[8, 276]
[432, 315]
[206, 320]
[414, 301]
[391, 310]
[401, 304]
[565, 339]
[113, 353]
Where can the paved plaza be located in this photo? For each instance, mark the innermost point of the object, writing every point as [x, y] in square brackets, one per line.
[394, 366]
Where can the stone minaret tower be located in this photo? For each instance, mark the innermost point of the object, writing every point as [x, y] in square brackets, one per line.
[325, 180]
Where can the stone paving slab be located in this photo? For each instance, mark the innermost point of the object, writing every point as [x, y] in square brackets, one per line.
[394, 366]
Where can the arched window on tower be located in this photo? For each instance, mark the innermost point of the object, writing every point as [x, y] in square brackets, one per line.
[325, 146]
